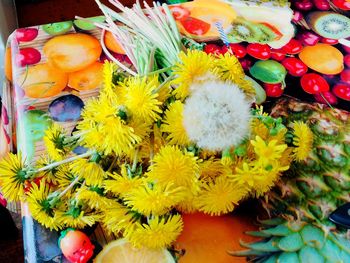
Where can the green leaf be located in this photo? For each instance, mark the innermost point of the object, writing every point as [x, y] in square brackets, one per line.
[310, 255]
[271, 259]
[272, 222]
[268, 246]
[258, 234]
[331, 251]
[288, 257]
[313, 236]
[280, 230]
[291, 243]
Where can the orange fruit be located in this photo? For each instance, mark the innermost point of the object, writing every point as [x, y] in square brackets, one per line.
[112, 44]
[88, 78]
[72, 52]
[121, 251]
[208, 238]
[323, 58]
[8, 64]
[42, 81]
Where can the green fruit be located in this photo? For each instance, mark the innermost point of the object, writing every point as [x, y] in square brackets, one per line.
[268, 71]
[58, 28]
[35, 122]
[260, 94]
[84, 25]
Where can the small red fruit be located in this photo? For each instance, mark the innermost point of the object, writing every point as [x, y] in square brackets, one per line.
[326, 97]
[322, 5]
[329, 41]
[278, 54]
[273, 90]
[259, 51]
[298, 16]
[342, 4]
[303, 5]
[212, 49]
[26, 34]
[3, 201]
[179, 13]
[313, 83]
[295, 66]
[293, 47]
[342, 91]
[28, 56]
[345, 76]
[246, 63]
[195, 26]
[309, 39]
[236, 49]
[347, 60]
[346, 49]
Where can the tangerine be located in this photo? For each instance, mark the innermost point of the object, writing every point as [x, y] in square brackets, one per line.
[72, 52]
[112, 44]
[87, 78]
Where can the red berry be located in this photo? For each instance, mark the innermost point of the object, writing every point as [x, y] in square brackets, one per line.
[309, 39]
[293, 47]
[259, 51]
[27, 56]
[236, 49]
[347, 60]
[246, 63]
[313, 83]
[297, 16]
[342, 4]
[303, 5]
[322, 5]
[295, 66]
[26, 34]
[278, 54]
[273, 90]
[3, 201]
[342, 91]
[212, 49]
[326, 97]
[346, 48]
[345, 76]
[329, 41]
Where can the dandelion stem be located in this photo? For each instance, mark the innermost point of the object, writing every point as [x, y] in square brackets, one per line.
[55, 164]
[134, 163]
[69, 187]
[151, 151]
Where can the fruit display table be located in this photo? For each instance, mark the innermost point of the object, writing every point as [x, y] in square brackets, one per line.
[280, 48]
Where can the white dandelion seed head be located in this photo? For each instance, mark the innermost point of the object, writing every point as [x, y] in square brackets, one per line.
[217, 115]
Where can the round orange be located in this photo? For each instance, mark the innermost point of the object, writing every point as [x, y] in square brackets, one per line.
[42, 81]
[112, 44]
[72, 52]
[208, 238]
[8, 64]
[87, 78]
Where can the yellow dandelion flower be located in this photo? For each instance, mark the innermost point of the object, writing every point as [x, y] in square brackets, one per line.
[188, 205]
[141, 98]
[206, 154]
[40, 207]
[64, 177]
[121, 184]
[280, 137]
[303, 140]
[220, 196]
[164, 92]
[13, 175]
[93, 197]
[108, 89]
[228, 68]
[173, 124]
[193, 67]
[88, 169]
[211, 168]
[259, 128]
[54, 140]
[154, 199]
[171, 165]
[117, 218]
[157, 233]
[267, 152]
[50, 174]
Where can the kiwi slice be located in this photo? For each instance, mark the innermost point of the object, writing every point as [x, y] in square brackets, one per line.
[267, 35]
[85, 25]
[243, 30]
[329, 24]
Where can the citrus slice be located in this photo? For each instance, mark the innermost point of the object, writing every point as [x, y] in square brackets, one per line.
[121, 251]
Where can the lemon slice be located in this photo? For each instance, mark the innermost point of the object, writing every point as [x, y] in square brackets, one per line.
[121, 251]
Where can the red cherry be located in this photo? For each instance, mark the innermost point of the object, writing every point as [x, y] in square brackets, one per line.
[212, 49]
[28, 56]
[26, 34]
[303, 5]
[273, 90]
[313, 83]
[259, 51]
[345, 76]
[236, 49]
[342, 4]
[322, 5]
[326, 97]
[295, 66]
[329, 41]
[278, 54]
[347, 60]
[246, 63]
[346, 48]
[293, 47]
[309, 39]
[342, 91]
[297, 16]
[3, 201]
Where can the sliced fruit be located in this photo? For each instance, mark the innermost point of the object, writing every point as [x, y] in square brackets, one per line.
[85, 25]
[26, 34]
[195, 26]
[88, 78]
[121, 251]
[42, 81]
[329, 24]
[112, 44]
[179, 12]
[72, 52]
[58, 28]
[323, 58]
